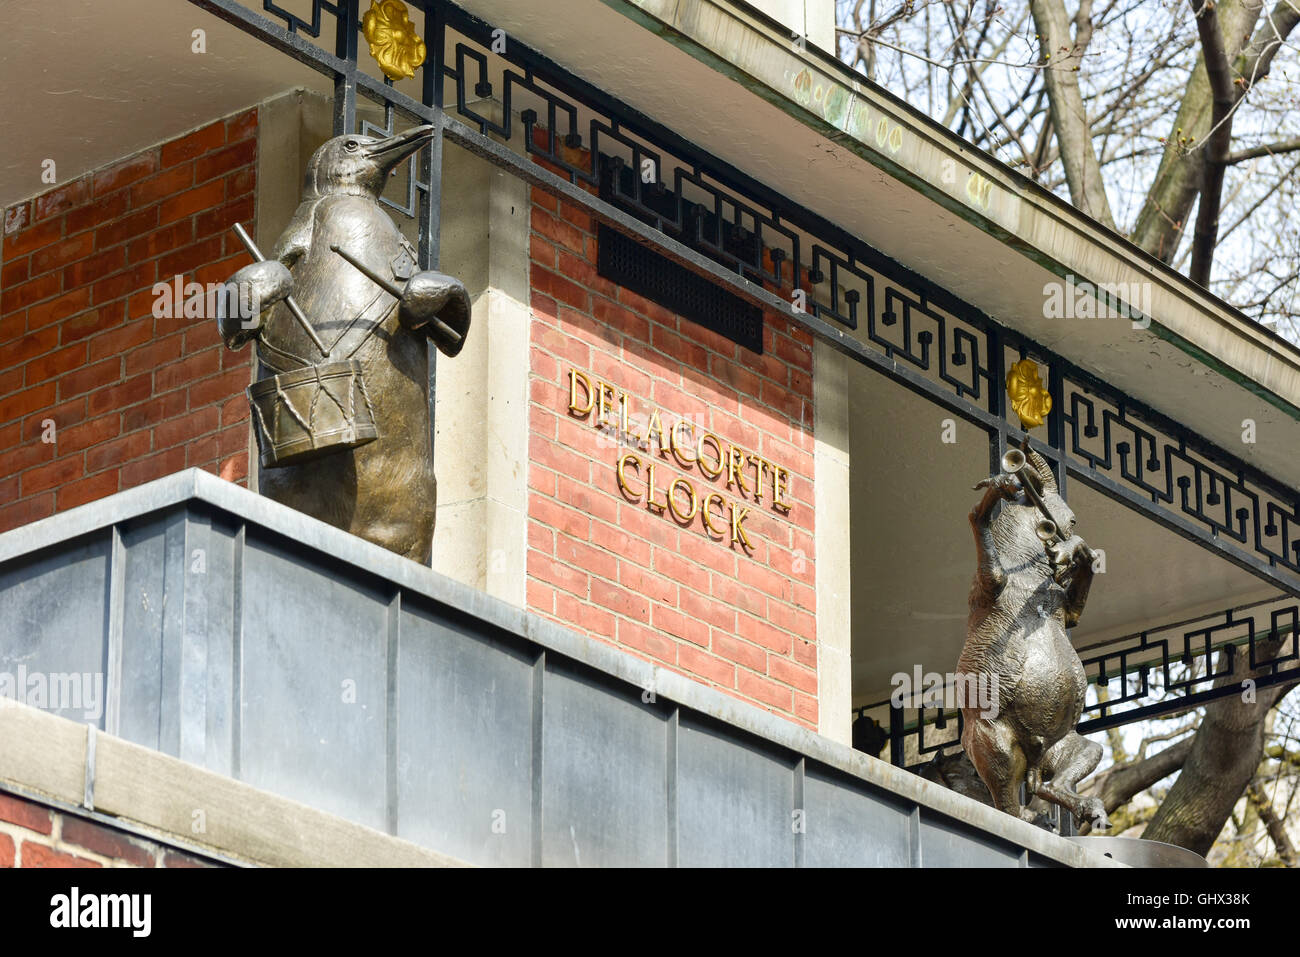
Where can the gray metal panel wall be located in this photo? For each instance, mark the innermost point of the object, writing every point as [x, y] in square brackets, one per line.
[54, 615]
[247, 651]
[464, 757]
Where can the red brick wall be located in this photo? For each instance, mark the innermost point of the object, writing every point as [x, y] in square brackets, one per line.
[34, 835]
[605, 564]
[131, 397]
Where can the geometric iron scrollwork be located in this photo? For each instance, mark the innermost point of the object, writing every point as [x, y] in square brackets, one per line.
[1106, 436]
[294, 24]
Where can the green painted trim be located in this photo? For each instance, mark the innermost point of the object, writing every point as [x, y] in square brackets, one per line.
[1228, 372]
[714, 61]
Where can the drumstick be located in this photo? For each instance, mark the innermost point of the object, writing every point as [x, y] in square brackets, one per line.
[395, 291]
[297, 313]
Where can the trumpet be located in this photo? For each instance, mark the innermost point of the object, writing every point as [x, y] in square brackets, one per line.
[1015, 463]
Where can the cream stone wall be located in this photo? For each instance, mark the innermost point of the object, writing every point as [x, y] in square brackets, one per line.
[481, 436]
[834, 592]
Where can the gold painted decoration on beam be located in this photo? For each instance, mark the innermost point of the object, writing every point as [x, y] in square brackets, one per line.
[393, 41]
[1029, 399]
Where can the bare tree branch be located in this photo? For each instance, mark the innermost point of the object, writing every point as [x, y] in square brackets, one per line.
[1270, 149]
[1273, 824]
[1119, 785]
[1225, 754]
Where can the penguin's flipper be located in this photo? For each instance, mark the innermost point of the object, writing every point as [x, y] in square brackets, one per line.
[456, 314]
[296, 238]
[431, 296]
[250, 293]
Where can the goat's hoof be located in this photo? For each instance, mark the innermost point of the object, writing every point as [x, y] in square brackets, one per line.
[1095, 813]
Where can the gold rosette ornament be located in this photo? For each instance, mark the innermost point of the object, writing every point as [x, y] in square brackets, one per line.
[393, 41]
[1029, 399]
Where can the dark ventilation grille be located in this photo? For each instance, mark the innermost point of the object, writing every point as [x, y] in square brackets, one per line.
[659, 279]
[677, 289]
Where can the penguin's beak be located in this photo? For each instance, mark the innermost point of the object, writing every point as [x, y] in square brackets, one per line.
[389, 152]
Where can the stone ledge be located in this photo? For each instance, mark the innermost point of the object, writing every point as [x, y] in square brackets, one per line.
[164, 799]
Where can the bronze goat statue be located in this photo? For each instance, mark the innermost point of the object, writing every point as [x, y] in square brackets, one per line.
[1031, 583]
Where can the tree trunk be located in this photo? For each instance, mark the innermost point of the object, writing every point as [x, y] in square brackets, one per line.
[1069, 118]
[1224, 756]
[1214, 157]
[1169, 201]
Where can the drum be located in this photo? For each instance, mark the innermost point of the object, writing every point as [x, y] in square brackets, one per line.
[306, 413]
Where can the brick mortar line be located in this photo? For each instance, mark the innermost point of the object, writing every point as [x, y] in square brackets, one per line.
[588, 234]
[54, 841]
[185, 443]
[783, 603]
[791, 424]
[799, 453]
[763, 508]
[56, 324]
[731, 690]
[642, 355]
[98, 250]
[592, 459]
[731, 636]
[795, 530]
[680, 555]
[694, 564]
[126, 268]
[740, 668]
[589, 313]
[789, 332]
[233, 195]
[767, 652]
[254, 109]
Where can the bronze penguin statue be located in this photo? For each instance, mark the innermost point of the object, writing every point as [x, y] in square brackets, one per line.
[332, 263]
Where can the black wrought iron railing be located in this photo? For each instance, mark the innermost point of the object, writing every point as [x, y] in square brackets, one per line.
[1163, 670]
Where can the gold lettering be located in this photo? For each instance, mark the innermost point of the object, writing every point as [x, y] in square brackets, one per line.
[686, 461]
[622, 475]
[650, 492]
[712, 471]
[574, 377]
[687, 443]
[736, 462]
[761, 465]
[633, 438]
[779, 488]
[738, 515]
[722, 508]
[690, 494]
[604, 391]
[656, 429]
